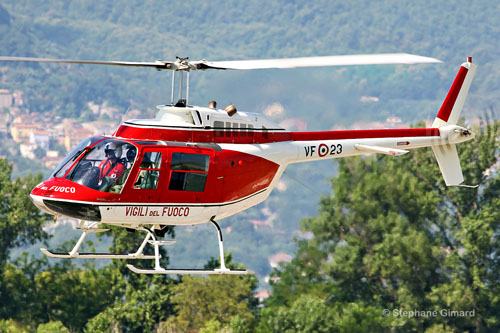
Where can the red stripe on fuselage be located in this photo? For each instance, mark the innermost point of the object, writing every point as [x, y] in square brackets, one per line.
[449, 101]
[364, 134]
[238, 137]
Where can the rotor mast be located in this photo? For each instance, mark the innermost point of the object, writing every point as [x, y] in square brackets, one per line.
[181, 65]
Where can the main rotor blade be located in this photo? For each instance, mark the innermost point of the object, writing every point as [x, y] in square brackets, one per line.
[184, 64]
[342, 60]
[158, 65]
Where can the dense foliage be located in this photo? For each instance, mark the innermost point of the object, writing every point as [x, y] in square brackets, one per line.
[393, 236]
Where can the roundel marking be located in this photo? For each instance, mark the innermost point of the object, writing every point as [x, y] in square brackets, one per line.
[323, 150]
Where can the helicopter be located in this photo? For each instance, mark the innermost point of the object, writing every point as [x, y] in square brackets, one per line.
[191, 164]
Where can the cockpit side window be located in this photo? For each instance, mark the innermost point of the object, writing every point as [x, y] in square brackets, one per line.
[128, 162]
[149, 172]
[189, 172]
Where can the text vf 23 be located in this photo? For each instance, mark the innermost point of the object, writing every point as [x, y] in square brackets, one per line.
[323, 150]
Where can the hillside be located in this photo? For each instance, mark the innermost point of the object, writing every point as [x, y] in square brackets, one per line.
[144, 31]
[224, 30]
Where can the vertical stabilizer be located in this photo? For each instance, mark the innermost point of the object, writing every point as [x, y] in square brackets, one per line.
[454, 101]
[446, 155]
[448, 161]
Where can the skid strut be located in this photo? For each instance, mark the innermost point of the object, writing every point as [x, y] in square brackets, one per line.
[159, 270]
[91, 228]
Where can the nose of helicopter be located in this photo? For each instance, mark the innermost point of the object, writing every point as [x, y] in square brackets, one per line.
[37, 195]
[38, 202]
[63, 198]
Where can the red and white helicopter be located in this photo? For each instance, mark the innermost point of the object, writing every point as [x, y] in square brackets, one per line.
[192, 164]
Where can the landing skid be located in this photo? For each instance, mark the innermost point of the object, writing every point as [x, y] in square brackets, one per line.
[74, 252]
[160, 270]
[185, 271]
[67, 255]
[139, 255]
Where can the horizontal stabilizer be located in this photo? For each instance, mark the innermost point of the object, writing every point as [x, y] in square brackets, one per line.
[449, 164]
[380, 150]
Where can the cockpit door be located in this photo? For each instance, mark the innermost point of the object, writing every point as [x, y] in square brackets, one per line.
[148, 178]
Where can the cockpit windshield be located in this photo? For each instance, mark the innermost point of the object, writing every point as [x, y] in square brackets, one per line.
[105, 167]
[63, 167]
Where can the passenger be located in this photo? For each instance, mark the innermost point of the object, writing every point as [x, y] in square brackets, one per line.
[131, 152]
[128, 161]
[111, 169]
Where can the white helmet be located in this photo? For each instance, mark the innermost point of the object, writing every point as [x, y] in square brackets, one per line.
[113, 148]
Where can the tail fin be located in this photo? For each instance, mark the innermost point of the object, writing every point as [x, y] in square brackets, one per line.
[446, 155]
[454, 101]
[448, 161]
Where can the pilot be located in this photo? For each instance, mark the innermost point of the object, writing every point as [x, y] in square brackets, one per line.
[111, 168]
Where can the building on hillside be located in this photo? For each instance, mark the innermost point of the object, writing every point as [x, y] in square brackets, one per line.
[18, 98]
[28, 150]
[22, 132]
[51, 162]
[100, 127]
[41, 139]
[53, 153]
[6, 98]
[74, 137]
[262, 295]
[5, 120]
[279, 257]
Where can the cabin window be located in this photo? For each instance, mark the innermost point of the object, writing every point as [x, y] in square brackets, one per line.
[243, 129]
[250, 130]
[235, 129]
[219, 128]
[199, 117]
[265, 132]
[229, 129]
[189, 172]
[149, 171]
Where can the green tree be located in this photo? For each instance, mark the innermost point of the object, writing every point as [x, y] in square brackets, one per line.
[11, 326]
[20, 223]
[52, 327]
[138, 309]
[310, 313]
[141, 302]
[217, 297]
[62, 292]
[393, 236]
[215, 301]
